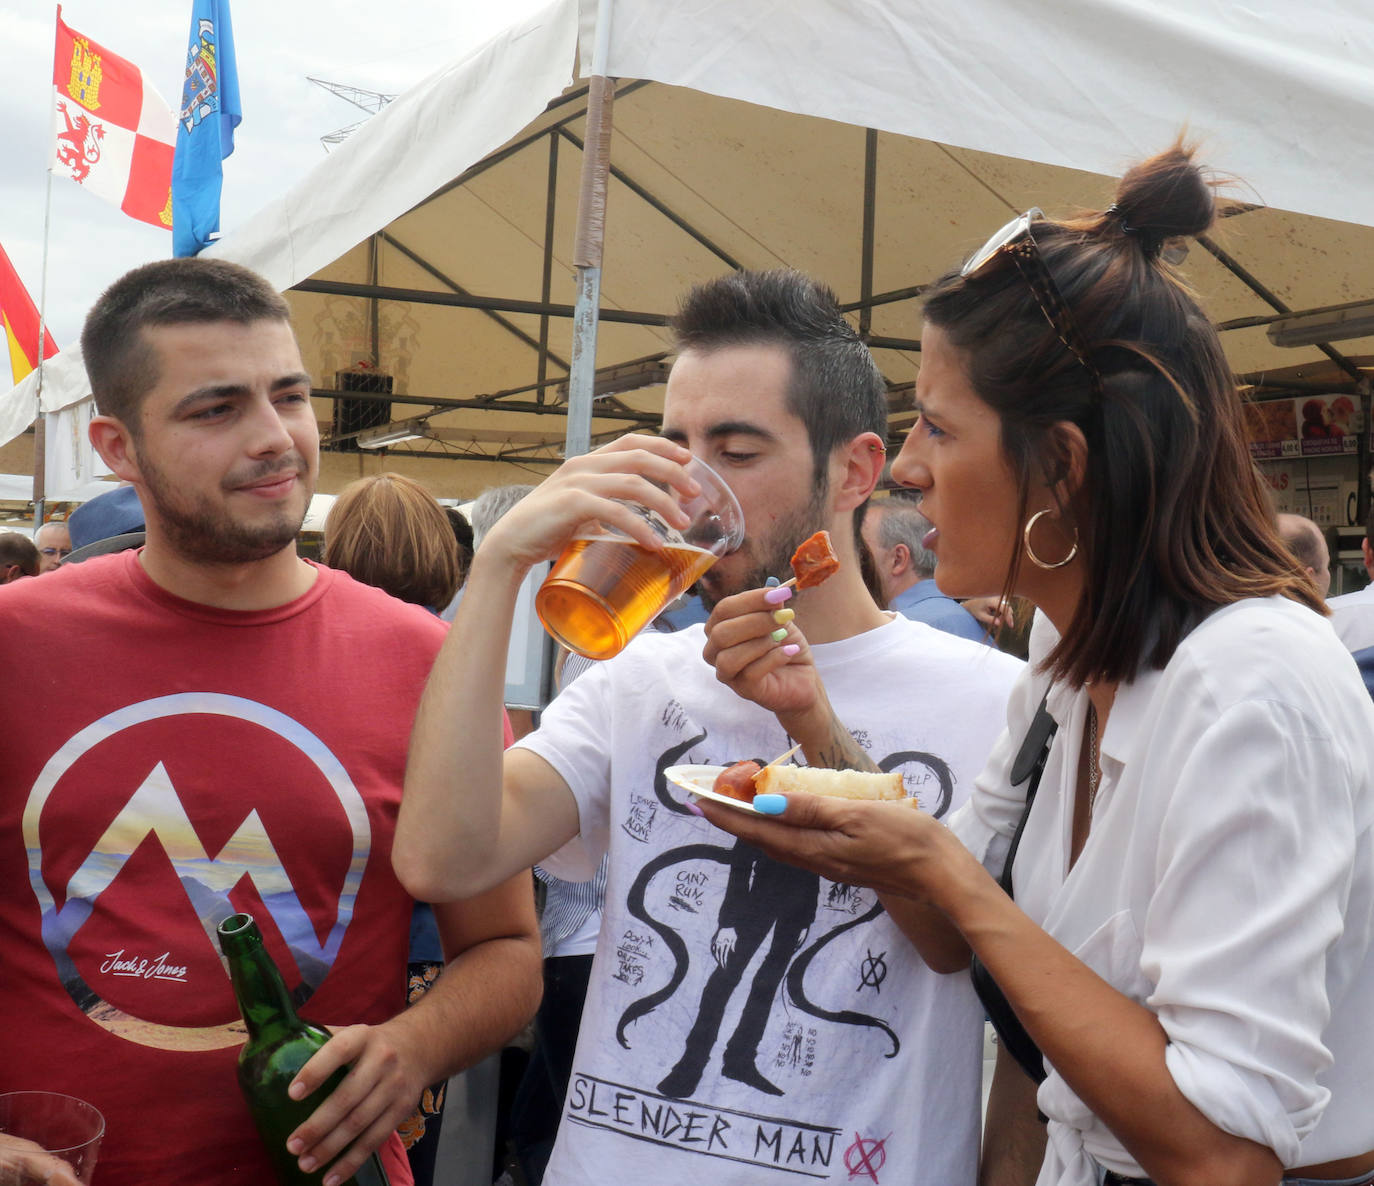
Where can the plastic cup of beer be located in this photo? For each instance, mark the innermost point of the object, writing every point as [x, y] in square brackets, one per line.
[59, 1124]
[604, 587]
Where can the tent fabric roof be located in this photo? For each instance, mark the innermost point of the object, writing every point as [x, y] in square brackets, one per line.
[1281, 94]
[756, 154]
[700, 184]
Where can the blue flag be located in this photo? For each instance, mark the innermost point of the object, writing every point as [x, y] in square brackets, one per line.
[210, 111]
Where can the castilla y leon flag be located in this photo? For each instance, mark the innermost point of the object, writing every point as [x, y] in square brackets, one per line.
[115, 133]
[20, 319]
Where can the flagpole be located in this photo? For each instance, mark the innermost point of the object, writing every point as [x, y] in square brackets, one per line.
[40, 422]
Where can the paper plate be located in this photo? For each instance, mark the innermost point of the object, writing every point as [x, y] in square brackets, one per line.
[699, 780]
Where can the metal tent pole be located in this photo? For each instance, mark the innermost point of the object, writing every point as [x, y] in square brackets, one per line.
[591, 235]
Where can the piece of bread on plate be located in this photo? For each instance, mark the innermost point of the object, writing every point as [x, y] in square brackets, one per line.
[838, 784]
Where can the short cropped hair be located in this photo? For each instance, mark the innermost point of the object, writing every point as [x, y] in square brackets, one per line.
[18, 549]
[836, 389]
[899, 522]
[121, 364]
[389, 531]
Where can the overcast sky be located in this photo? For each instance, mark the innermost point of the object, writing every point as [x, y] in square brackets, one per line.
[280, 43]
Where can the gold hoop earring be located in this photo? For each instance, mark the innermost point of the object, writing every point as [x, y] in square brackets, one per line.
[1030, 551]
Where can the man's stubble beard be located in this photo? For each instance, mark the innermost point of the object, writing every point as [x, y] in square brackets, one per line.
[772, 556]
[205, 533]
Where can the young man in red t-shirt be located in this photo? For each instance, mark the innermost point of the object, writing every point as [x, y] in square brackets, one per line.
[214, 724]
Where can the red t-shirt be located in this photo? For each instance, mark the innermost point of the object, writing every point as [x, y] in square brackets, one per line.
[166, 764]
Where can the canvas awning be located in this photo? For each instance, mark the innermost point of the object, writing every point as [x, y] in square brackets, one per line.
[871, 145]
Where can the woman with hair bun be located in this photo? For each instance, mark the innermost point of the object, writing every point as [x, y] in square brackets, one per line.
[1186, 946]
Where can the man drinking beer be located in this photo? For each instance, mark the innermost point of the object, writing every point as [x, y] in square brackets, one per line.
[842, 1051]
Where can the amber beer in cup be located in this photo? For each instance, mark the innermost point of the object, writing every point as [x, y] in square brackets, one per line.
[605, 588]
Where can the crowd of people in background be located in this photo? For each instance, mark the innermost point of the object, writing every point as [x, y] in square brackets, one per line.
[1141, 761]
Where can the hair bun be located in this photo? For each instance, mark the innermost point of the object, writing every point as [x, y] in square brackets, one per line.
[1163, 197]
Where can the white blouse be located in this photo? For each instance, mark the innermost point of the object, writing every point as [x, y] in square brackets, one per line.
[1227, 882]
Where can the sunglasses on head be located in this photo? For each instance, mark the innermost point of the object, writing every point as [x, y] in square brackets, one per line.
[1015, 242]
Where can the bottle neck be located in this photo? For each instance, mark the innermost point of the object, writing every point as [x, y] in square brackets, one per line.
[261, 992]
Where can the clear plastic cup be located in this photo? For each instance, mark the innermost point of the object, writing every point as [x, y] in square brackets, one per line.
[604, 588]
[59, 1124]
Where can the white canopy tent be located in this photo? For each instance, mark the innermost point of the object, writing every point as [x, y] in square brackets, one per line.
[1003, 98]
[1281, 93]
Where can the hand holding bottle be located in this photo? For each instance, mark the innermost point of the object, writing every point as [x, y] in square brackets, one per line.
[283, 1101]
[377, 1093]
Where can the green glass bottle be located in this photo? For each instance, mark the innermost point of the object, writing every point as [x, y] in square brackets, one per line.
[279, 1044]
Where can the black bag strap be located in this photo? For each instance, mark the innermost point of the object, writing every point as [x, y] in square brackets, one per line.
[1027, 767]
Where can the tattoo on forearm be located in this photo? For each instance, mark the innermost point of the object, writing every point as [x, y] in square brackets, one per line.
[842, 752]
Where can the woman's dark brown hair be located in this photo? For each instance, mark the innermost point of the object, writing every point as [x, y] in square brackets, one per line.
[389, 531]
[1171, 518]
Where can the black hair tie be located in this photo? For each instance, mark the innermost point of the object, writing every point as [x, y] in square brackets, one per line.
[1151, 241]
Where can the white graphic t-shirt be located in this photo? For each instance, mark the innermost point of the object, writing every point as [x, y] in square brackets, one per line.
[746, 1019]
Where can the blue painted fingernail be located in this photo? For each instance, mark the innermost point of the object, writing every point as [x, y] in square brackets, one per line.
[779, 595]
[772, 582]
[790, 649]
[770, 804]
[691, 806]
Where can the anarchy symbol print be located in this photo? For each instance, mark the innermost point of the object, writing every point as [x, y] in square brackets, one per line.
[865, 1157]
[873, 971]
